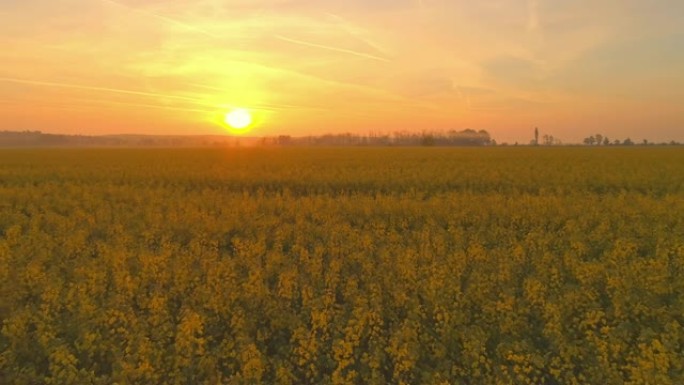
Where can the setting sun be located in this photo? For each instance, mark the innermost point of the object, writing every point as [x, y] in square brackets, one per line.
[238, 119]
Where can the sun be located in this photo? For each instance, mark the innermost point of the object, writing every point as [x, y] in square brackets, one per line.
[238, 118]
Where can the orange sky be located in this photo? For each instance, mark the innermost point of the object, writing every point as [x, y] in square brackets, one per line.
[571, 67]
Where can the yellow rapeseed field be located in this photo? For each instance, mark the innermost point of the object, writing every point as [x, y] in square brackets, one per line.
[342, 266]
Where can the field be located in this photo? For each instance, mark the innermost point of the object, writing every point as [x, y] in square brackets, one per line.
[342, 266]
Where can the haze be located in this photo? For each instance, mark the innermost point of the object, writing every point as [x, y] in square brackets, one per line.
[572, 68]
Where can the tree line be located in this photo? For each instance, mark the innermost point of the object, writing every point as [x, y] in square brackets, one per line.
[595, 140]
[601, 140]
[467, 137]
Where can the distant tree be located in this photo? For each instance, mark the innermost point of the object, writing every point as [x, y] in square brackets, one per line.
[284, 140]
[645, 142]
[627, 142]
[590, 141]
[536, 136]
[427, 140]
[549, 140]
[484, 138]
[606, 141]
[599, 139]
[616, 142]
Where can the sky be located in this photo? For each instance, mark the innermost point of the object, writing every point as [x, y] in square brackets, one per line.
[573, 68]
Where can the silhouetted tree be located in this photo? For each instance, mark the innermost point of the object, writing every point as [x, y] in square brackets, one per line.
[427, 140]
[284, 140]
[599, 139]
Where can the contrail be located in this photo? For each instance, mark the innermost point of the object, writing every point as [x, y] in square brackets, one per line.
[463, 95]
[329, 48]
[308, 76]
[143, 105]
[355, 31]
[92, 102]
[164, 18]
[532, 15]
[102, 89]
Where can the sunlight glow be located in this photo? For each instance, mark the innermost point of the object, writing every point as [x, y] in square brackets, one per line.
[238, 119]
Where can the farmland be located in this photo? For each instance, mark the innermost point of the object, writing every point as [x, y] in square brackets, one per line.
[342, 266]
